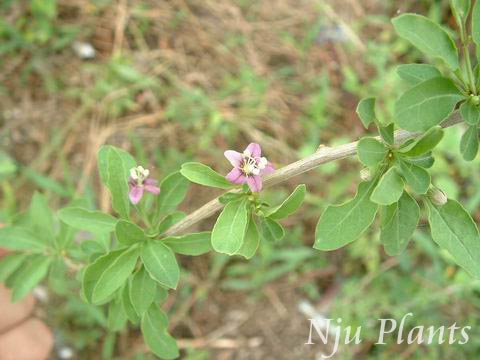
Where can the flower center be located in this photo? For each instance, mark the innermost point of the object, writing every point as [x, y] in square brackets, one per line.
[252, 165]
[139, 174]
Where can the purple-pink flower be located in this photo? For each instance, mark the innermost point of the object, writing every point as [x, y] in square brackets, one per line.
[139, 182]
[248, 167]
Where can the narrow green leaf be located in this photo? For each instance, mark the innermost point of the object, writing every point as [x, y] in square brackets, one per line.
[191, 244]
[428, 37]
[128, 233]
[32, 272]
[271, 230]
[416, 177]
[476, 23]
[469, 143]
[160, 263]
[387, 133]
[470, 113]
[251, 242]
[426, 104]
[424, 143]
[425, 161]
[414, 74]
[204, 175]
[154, 330]
[127, 305]
[371, 152]
[399, 221]
[102, 160]
[117, 319]
[342, 224]
[460, 9]
[229, 230]
[19, 238]
[291, 204]
[42, 218]
[230, 196]
[173, 190]
[170, 220]
[9, 264]
[83, 219]
[143, 290]
[366, 111]
[454, 230]
[108, 273]
[118, 183]
[389, 188]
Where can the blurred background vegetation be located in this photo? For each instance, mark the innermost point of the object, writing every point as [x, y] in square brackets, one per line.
[179, 80]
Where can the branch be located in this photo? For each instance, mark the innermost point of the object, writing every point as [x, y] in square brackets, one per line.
[322, 156]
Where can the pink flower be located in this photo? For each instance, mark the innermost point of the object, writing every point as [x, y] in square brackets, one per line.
[248, 167]
[139, 183]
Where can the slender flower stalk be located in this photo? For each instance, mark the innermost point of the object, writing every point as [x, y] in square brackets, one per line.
[140, 182]
[248, 167]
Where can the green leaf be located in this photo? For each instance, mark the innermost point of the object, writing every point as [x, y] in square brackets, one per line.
[160, 263]
[128, 233]
[428, 37]
[230, 196]
[102, 159]
[127, 304]
[416, 177]
[19, 238]
[229, 230]
[9, 264]
[342, 224]
[154, 330]
[461, 8]
[425, 161]
[426, 104]
[108, 273]
[170, 220]
[454, 230]
[117, 318]
[366, 111]
[389, 188]
[399, 221]
[32, 272]
[251, 241]
[271, 230]
[83, 219]
[371, 152]
[476, 23]
[291, 204]
[470, 113]
[173, 190]
[190, 244]
[142, 291]
[387, 133]
[42, 218]
[414, 74]
[118, 183]
[204, 175]
[469, 143]
[424, 143]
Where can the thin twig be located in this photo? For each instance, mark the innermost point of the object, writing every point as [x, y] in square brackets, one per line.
[322, 156]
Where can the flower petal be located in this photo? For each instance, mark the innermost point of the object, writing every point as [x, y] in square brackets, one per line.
[236, 176]
[234, 157]
[255, 150]
[135, 194]
[268, 169]
[254, 183]
[152, 189]
[150, 182]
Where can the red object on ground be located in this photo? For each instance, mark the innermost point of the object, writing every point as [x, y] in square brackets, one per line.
[22, 337]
